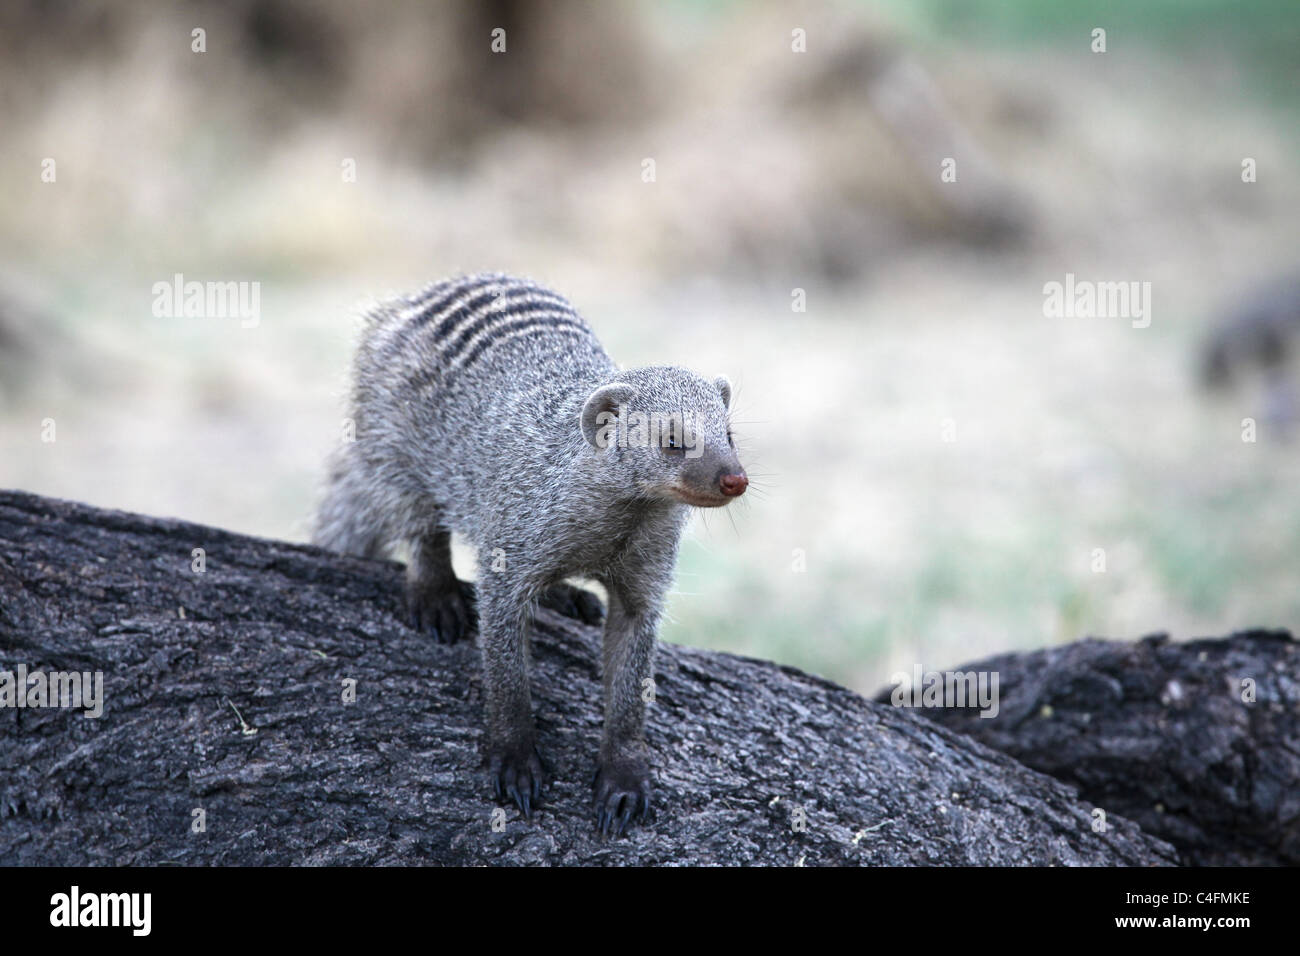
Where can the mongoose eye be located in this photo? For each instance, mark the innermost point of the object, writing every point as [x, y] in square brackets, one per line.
[729, 441]
[673, 445]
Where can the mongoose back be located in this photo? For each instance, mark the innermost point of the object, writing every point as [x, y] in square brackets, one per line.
[485, 405]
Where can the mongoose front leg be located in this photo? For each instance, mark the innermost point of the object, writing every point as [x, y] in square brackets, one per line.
[435, 600]
[513, 761]
[623, 780]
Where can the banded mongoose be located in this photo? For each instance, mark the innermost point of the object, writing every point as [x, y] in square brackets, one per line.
[1257, 333]
[485, 405]
[1257, 338]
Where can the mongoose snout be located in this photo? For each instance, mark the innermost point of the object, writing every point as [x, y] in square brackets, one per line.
[485, 405]
[727, 485]
[734, 486]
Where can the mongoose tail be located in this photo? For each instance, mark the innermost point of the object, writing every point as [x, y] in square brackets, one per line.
[486, 406]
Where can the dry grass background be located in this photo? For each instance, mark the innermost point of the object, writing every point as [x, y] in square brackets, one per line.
[774, 171]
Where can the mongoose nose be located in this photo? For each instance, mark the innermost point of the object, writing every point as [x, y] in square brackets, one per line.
[733, 485]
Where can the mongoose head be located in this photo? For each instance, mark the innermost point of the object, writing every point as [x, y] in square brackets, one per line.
[663, 432]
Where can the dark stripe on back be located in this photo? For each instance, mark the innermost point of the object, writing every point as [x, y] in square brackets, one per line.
[452, 288]
[469, 307]
[549, 300]
[538, 321]
[427, 310]
[485, 319]
[555, 323]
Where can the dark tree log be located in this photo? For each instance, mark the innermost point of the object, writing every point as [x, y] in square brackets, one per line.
[1161, 733]
[224, 692]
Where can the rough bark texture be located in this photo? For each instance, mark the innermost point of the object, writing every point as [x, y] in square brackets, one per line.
[272, 630]
[1160, 733]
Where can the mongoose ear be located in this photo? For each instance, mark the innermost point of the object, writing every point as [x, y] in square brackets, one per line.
[601, 409]
[724, 389]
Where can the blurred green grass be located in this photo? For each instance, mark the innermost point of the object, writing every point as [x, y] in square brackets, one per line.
[1255, 26]
[1262, 36]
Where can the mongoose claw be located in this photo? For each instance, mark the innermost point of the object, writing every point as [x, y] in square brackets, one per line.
[575, 602]
[517, 776]
[622, 791]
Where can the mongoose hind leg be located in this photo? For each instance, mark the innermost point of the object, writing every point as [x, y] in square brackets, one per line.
[573, 601]
[436, 600]
[348, 519]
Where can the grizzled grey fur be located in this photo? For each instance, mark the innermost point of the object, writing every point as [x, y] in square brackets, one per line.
[486, 406]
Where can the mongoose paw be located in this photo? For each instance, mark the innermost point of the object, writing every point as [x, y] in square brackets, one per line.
[575, 602]
[447, 614]
[622, 789]
[517, 775]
